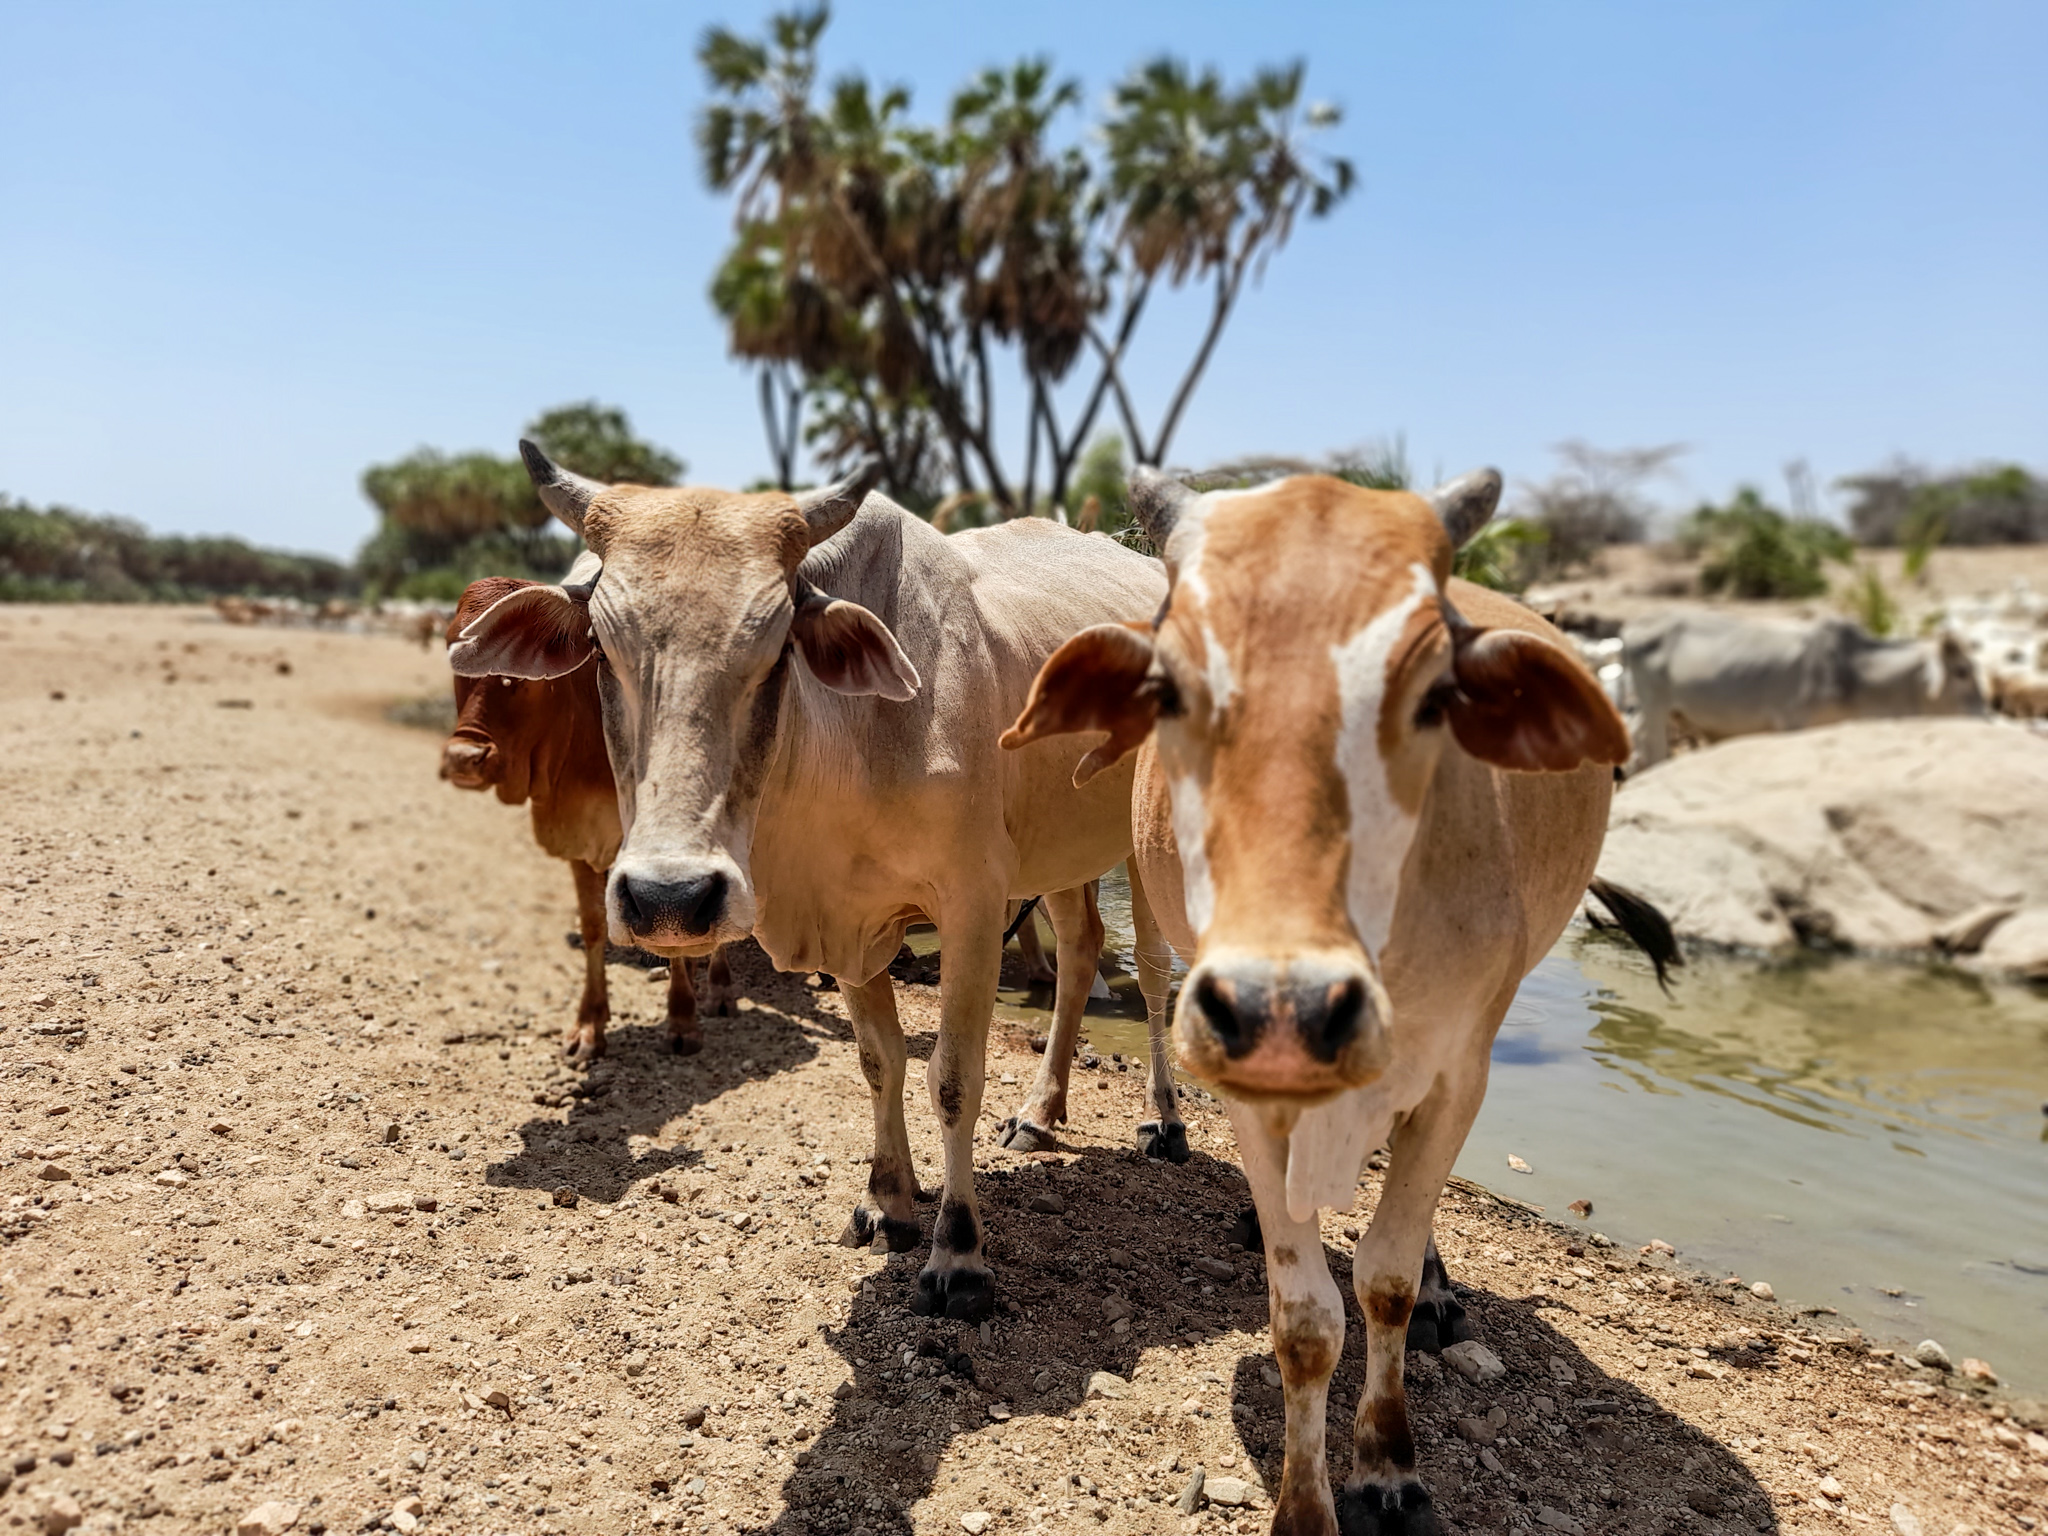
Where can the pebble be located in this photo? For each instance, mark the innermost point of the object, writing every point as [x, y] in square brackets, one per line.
[62, 1513]
[975, 1521]
[1230, 1492]
[1762, 1291]
[1904, 1521]
[1581, 1208]
[1979, 1370]
[1478, 1431]
[1115, 1308]
[1558, 1520]
[1270, 1375]
[1658, 1245]
[388, 1203]
[1191, 1492]
[1518, 1165]
[1929, 1352]
[1831, 1488]
[54, 1173]
[1048, 1205]
[636, 1363]
[405, 1518]
[220, 1128]
[1489, 1461]
[1106, 1384]
[391, 1134]
[1474, 1361]
[1215, 1269]
[175, 1177]
[271, 1519]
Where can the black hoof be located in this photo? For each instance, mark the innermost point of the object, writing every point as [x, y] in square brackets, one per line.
[1169, 1142]
[1022, 1136]
[1373, 1510]
[862, 1228]
[723, 1009]
[965, 1295]
[1436, 1325]
[1245, 1231]
[686, 1045]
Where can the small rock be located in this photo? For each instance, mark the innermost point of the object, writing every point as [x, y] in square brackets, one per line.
[1120, 1258]
[1489, 1460]
[1518, 1165]
[694, 1419]
[391, 1134]
[1658, 1245]
[999, 1412]
[1230, 1492]
[425, 1203]
[403, 1520]
[566, 1197]
[1558, 1520]
[1106, 1384]
[1191, 1492]
[1478, 1431]
[498, 1397]
[1979, 1370]
[1115, 1307]
[1930, 1353]
[1215, 1269]
[389, 1203]
[354, 1210]
[1560, 1370]
[271, 1519]
[1904, 1521]
[54, 1173]
[1831, 1488]
[417, 1461]
[177, 1178]
[1581, 1208]
[975, 1521]
[1270, 1375]
[1762, 1291]
[222, 1128]
[1047, 1205]
[62, 1514]
[636, 1363]
[1474, 1361]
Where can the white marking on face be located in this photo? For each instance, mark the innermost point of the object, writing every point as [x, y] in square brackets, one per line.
[1190, 826]
[1381, 828]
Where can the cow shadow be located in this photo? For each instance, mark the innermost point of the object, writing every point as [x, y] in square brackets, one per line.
[640, 1086]
[1589, 1447]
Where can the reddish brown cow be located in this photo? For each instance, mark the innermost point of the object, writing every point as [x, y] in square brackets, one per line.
[542, 744]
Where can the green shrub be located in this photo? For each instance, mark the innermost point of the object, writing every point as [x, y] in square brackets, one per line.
[1751, 549]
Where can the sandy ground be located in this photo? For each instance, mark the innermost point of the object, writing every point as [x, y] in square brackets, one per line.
[299, 1208]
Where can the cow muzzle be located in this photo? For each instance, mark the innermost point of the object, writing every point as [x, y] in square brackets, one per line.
[470, 764]
[1304, 1027]
[678, 907]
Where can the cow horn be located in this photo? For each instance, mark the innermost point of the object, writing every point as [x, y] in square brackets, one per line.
[1465, 504]
[1157, 503]
[831, 507]
[563, 492]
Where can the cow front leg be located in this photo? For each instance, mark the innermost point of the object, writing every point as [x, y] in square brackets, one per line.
[1164, 1135]
[887, 1208]
[719, 991]
[1078, 928]
[585, 1041]
[685, 1030]
[955, 1281]
[1307, 1327]
[1383, 1496]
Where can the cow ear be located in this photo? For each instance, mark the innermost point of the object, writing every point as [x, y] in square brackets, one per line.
[1095, 682]
[535, 632]
[851, 651]
[1522, 703]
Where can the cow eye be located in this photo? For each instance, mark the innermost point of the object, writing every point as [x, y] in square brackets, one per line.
[1430, 710]
[1164, 693]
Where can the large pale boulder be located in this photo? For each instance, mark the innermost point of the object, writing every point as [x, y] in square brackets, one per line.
[1885, 835]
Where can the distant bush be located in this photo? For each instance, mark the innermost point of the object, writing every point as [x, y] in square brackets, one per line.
[1751, 549]
[59, 554]
[1594, 501]
[1909, 506]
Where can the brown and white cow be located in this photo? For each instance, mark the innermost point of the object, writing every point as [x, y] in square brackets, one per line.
[802, 699]
[541, 744]
[1369, 798]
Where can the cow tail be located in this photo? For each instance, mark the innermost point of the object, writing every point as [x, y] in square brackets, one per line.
[1649, 929]
[1023, 912]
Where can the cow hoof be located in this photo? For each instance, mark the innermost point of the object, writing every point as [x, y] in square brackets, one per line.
[1168, 1142]
[1374, 1510]
[964, 1295]
[1436, 1325]
[686, 1045]
[865, 1226]
[581, 1051]
[1020, 1135]
[1245, 1231]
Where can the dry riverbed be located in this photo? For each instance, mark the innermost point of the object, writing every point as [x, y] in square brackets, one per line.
[299, 1210]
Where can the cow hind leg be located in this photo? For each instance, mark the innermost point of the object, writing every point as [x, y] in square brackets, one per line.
[719, 991]
[1438, 1320]
[1038, 971]
[584, 1042]
[886, 1211]
[1164, 1136]
[685, 1029]
[1078, 928]
[955, 1281]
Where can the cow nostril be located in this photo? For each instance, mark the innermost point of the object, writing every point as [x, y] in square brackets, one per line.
[629, 908]
[701, 901]
[1217, 999]
[1342, 1011]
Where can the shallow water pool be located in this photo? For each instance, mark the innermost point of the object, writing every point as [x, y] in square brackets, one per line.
[1863, 1136]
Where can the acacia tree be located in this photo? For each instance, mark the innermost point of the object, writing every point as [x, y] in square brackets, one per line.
[893, 267]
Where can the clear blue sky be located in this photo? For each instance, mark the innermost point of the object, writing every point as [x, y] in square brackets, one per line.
[246, 249]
